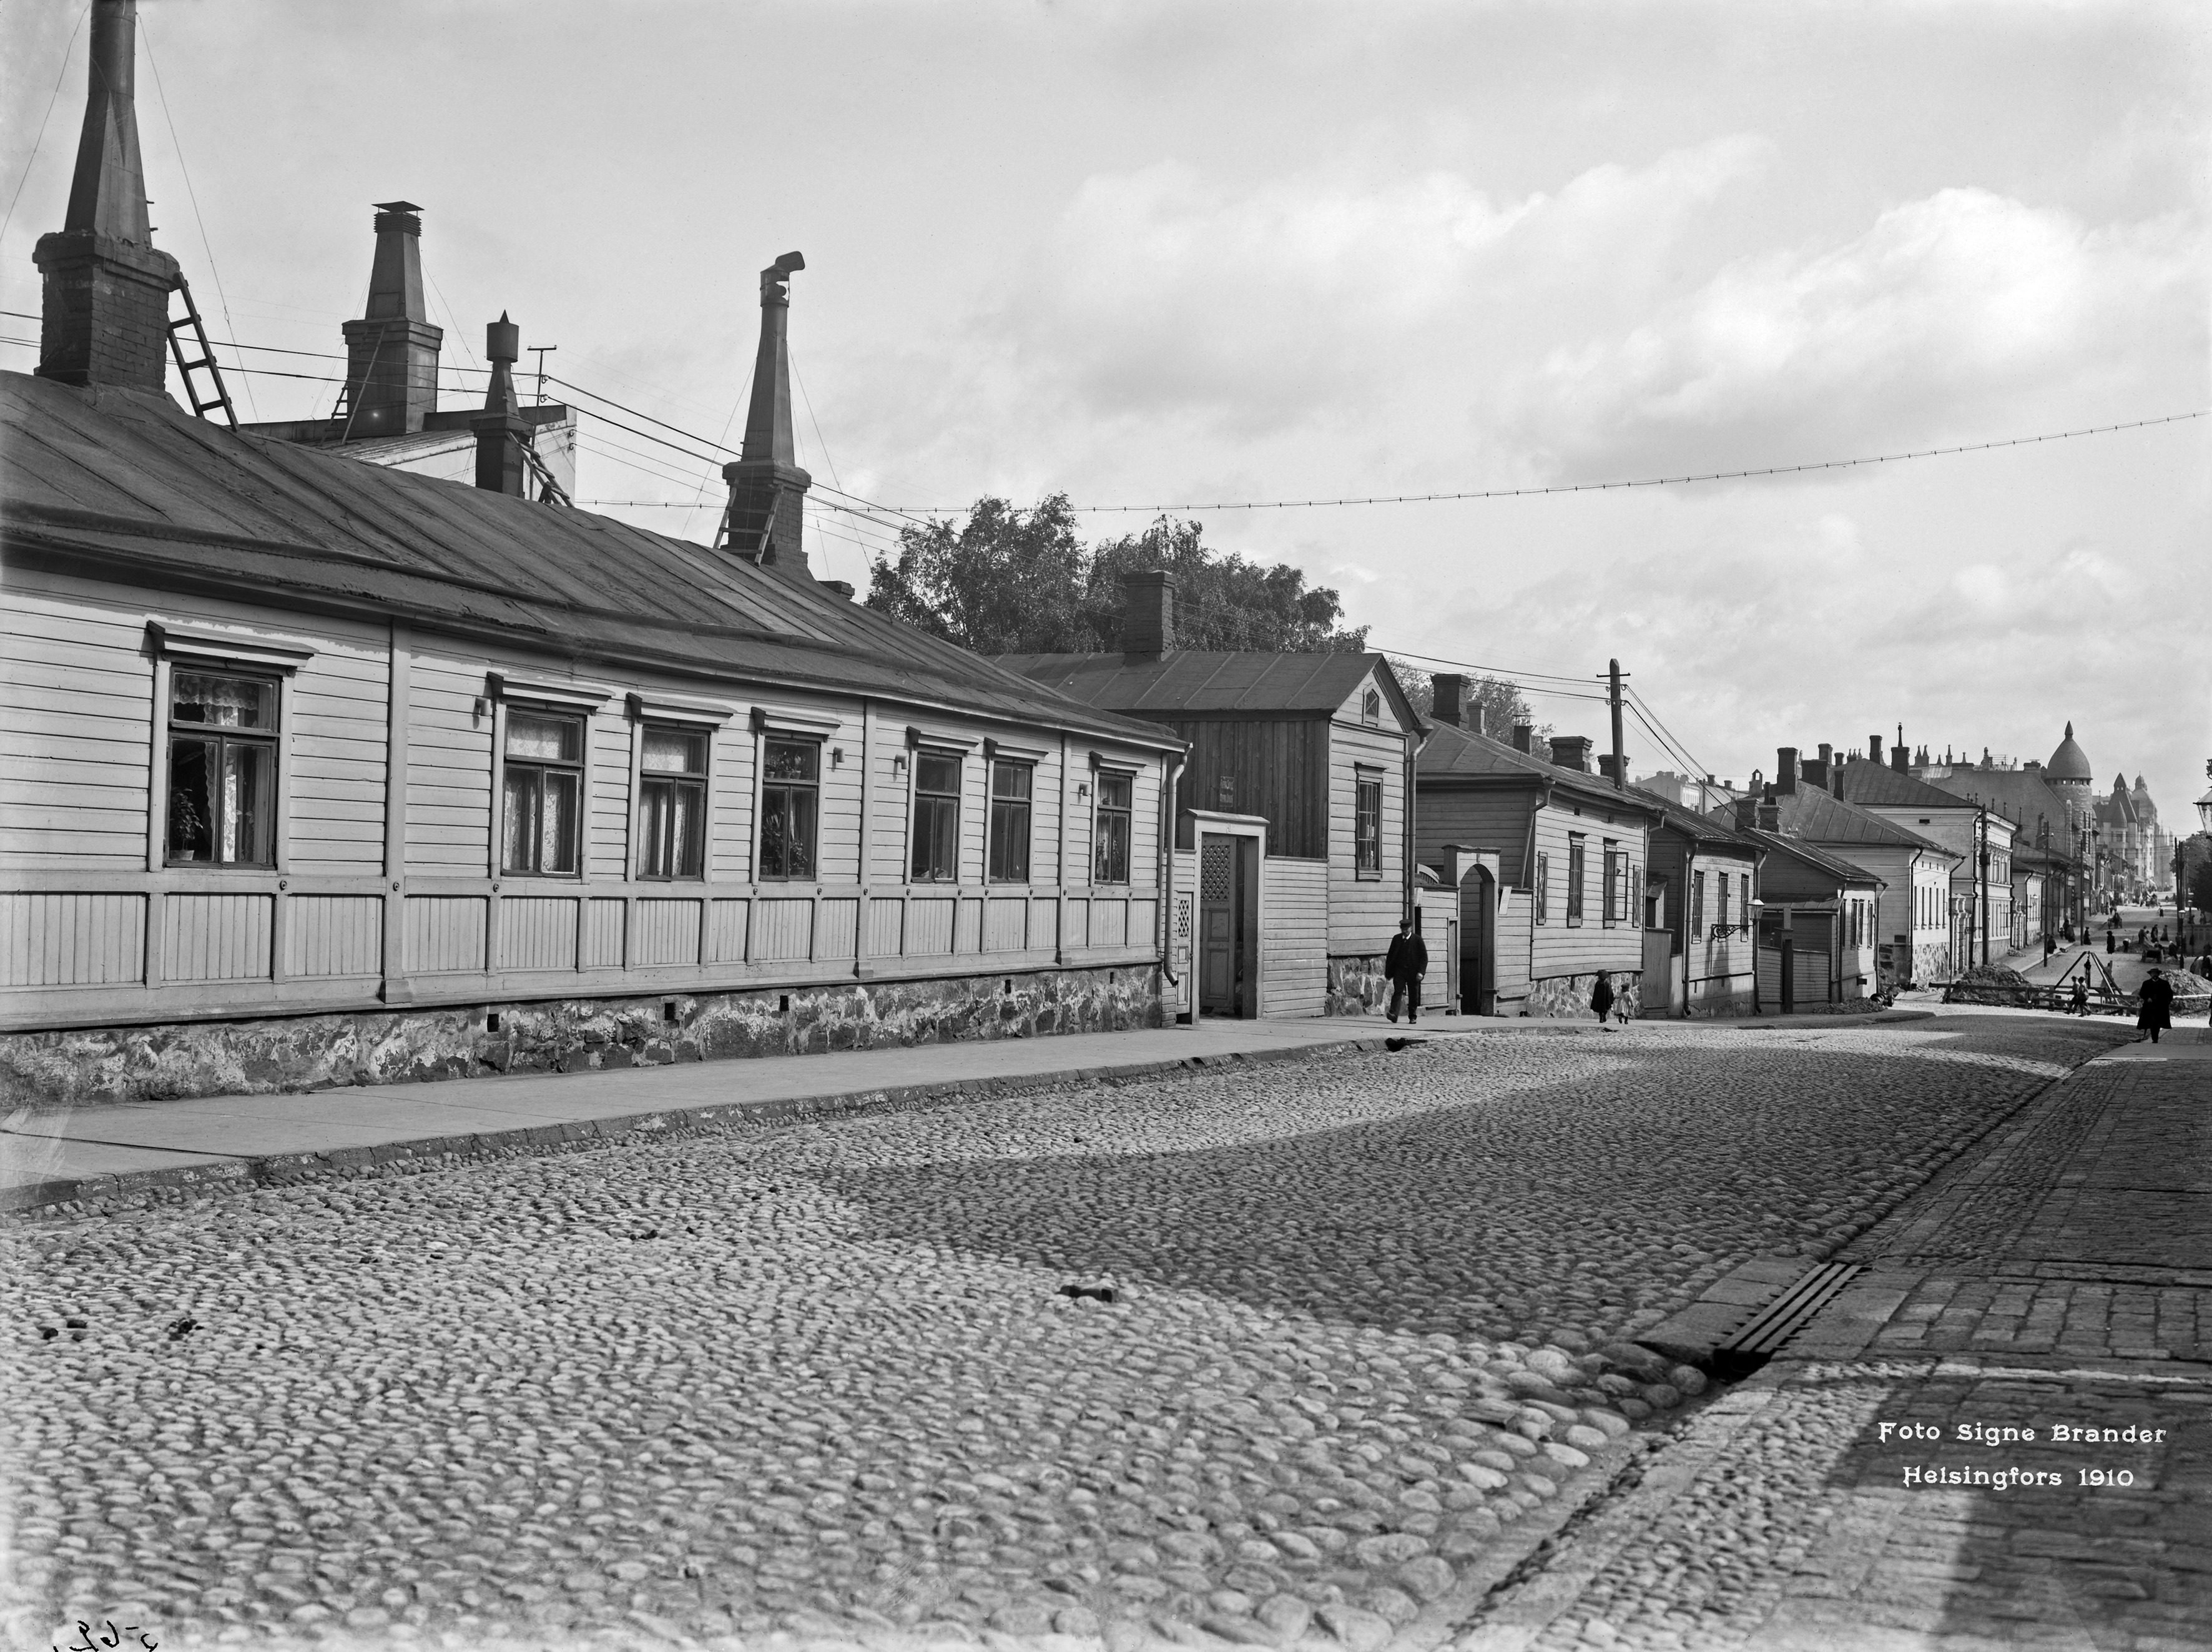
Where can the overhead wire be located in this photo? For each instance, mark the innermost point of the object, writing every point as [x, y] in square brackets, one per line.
[39, 143]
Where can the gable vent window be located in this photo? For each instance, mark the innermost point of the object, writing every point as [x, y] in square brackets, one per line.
[1370, 707]
[544, 792]
[222, 770]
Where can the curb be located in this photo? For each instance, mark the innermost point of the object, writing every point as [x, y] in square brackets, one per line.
[99, 1195]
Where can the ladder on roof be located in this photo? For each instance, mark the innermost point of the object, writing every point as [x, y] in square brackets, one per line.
[205, 363]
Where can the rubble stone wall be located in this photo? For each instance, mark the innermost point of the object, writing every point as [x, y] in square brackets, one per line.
[1357, 985]
[1569, 996]
[78, 1068]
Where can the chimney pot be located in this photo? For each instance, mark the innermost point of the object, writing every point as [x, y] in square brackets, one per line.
[1450, 698]
[1148, 616]
[1785, 769]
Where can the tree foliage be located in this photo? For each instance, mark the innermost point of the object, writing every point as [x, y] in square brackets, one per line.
[1005, 580]
[1500, 698]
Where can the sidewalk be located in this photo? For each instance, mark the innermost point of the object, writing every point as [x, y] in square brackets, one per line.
[94, 1156]
[2000, 1433]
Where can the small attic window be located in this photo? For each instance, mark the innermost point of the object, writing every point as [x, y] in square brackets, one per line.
[1370, 707]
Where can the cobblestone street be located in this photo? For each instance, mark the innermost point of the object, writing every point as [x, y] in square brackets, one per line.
[1348, 1334]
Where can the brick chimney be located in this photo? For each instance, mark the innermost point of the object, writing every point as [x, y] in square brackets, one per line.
[1524, 733]
[1817, 770]
[1770, 812]
[1571, 751]
[391, 352]
[1612, 767]
[1873, 750]
[105, 310]
[1147, 615]
[1451, 699]
[1746, 811]
[768, 490]
[1785, 771]
[501, 431]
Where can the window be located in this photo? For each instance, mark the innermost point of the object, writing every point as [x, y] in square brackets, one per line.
[1722, 920]
[1576, 852]
[1109, 833]
[1010, 785]
[672, 802]
[1367, 828]
[1543, 889]
[222, 770]
[791, 785]
[1370, 707]
[544, 794]
[1615, 877]
[1743, 891]
[936, 858]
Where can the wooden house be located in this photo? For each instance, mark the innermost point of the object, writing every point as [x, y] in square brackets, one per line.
[1980, 898]
[1699, 950]
[1816, 923]
[1546, 861]
[1291, 811]
[322, 772]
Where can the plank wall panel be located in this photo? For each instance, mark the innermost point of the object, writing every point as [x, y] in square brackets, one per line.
[786, 929]
[1294, 936]
[1005, 925]
[602, 941]
[333, 935]
[1363, 912]
[1144, 925]
[893, 802]
[71, 940]
[606, 826]
[838, 930]
[1562, 949]
[215, 936]
[1044, 923]
[1278, 768]
[76, 708]
[929, 925]
[538, 932]
[335, 742]
[885, 928]
[726, 931]
[729, 802]
[967, 927]
[667, 932]
[1075, 920]
[448, 770]
[444, 932]
[1109, 920]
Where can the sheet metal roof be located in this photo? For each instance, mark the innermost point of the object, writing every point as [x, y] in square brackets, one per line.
[1455, 753]
[1700, 829]
[1813, 855]
[130, 477]
[1868, 784]
[1822, 817]
[1194, 682]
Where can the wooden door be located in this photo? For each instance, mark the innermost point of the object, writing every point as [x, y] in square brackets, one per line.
[1220, 926]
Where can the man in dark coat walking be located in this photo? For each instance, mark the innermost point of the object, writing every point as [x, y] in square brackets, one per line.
[1406, 962]
[2156, 997]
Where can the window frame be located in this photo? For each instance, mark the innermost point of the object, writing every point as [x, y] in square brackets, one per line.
[916, 755]
[225, 653]
[645, 780]
[1698, 902]
[1614, 871]
[1720, 913]
[1542, 885]
[770, 737]
[1577, 875]
[993, 870]
[580, 767]
[1101, 775]
[219, 737]
[1365, 867]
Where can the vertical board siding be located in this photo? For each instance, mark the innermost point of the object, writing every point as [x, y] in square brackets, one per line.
[606, 826]
[838, 934]
[786, 929]
[602, 947]
[1144, 923]
[967, 927]
[667, 932]
[215, 936]
[1279, 769]
[1005, 925]
[928, 926]
[71, 940]
[726, 931]
[1110, 922]
[538, 932]
[1044, 923]
[1293, 937]
[448, 770]
[334, 935]
[1075, 920]
[885, 927]
[444, 932]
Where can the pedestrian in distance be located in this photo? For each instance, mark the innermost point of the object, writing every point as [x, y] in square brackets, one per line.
[1407, 961]
[2157, 1000]
[2080, 1005]
[2049, 946]
[1601, 998]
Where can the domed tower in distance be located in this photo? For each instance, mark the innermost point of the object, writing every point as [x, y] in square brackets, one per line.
[2068, 768]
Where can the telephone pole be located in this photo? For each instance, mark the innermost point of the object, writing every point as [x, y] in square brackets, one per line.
[1620, 756]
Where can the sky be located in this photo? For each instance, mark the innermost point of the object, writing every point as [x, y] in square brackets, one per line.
[1168, 254]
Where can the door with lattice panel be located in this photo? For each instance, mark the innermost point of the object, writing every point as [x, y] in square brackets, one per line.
[1221, 925]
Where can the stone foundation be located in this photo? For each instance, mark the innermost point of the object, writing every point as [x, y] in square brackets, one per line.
[1718, 1004]
[1567, 997]
[1356, 986]
[307, 1052]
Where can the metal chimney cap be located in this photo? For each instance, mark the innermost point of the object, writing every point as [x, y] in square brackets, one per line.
[395, 206]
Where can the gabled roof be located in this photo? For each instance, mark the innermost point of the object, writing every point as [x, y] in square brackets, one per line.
[2021, 795]
[1197, 683]
[1453, 753]
[1711, 830]
[1872, 785]
[128, 480]
[1819, 817]
[1813, 855]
